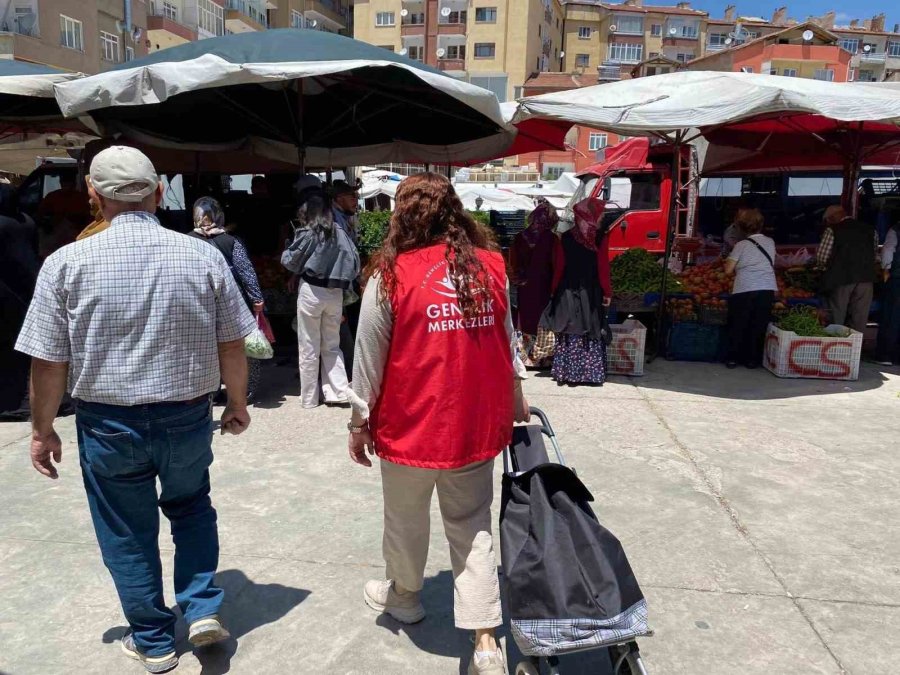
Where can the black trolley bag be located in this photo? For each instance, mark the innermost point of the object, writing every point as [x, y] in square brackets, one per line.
[567, 581]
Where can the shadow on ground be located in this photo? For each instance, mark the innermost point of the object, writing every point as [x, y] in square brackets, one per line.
[247, 606]
[438, 635]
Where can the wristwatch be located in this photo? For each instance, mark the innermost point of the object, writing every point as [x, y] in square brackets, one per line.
[357, 430]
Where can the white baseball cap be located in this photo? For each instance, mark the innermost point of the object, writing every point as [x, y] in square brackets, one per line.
[123, 174]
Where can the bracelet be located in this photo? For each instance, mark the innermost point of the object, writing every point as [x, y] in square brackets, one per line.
[357, 430]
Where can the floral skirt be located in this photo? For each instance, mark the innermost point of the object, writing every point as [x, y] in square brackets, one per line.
[579, 360]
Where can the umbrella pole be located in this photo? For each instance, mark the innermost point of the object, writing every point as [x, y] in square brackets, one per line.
[670, 242]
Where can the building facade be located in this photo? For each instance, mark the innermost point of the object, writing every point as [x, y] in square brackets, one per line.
[496, 44]
[78, 35]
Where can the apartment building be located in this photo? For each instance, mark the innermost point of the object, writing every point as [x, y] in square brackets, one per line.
[78, 35]
[496, 44]
[612, 38]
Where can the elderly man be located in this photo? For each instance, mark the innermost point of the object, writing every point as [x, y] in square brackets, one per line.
[345, 204]
[139, 321]
[847, 255]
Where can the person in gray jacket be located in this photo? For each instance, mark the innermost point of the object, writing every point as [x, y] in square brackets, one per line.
[326, 262]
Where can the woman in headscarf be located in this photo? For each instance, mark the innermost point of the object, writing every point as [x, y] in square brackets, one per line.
[326, 262]
[531, 259]
[582, 290]
[209, 225]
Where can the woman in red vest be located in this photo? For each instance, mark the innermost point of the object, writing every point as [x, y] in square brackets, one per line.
[436, 389]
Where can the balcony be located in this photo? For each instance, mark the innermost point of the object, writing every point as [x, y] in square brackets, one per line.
[455, 24]
[330, 14]
[25, 23]
[452, 64]
[245, 16]
[710, 48]
[165, 30]
[609, 73]
[675, 31]
[872, 57]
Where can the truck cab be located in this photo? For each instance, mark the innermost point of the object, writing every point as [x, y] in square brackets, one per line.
[635, 182]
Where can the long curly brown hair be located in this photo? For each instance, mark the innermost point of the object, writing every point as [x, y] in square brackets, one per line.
[428, 212]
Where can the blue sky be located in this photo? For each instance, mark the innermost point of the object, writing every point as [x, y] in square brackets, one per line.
[800, 9]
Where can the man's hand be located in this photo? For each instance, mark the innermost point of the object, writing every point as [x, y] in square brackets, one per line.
[885, 274]
[258, 307]
[235, 420]
[359, 444]
[43, 447]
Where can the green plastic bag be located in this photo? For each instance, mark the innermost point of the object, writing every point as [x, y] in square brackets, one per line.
[256, 346]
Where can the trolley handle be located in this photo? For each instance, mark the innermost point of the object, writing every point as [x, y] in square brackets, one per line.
[545, 421]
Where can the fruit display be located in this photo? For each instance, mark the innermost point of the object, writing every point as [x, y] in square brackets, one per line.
[639, 271]
[797, 285]
[681, 310]
[708, 280]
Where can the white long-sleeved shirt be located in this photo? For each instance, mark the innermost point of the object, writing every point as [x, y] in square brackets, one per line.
[373, 342]
[889, 249]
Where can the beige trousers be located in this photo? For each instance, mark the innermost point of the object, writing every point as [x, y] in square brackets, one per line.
[465, 497]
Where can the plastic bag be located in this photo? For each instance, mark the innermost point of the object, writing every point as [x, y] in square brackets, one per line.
[256, 346]
[263, 324]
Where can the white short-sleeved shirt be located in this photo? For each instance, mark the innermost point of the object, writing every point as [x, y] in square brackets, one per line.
[754, 272]
[137, 311]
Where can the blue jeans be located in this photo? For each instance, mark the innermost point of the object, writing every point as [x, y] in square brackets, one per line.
[123, 450]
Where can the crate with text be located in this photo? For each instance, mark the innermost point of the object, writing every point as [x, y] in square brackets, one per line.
[625, 355]
[826, 358]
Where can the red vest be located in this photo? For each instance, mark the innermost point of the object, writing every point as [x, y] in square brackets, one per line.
[447, 395]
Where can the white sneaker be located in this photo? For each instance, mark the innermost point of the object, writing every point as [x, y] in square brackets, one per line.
[207, 631]
[405, 608]
[489, 664]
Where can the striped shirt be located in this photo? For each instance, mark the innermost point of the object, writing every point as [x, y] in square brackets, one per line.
[137, 311]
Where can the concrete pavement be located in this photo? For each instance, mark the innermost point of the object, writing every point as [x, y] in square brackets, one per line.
[760, 516]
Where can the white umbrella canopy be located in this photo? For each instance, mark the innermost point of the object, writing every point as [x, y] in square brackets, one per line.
[676, 102]
[339, 101]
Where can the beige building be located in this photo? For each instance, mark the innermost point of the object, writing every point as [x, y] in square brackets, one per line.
[496, 44]
[78, 35]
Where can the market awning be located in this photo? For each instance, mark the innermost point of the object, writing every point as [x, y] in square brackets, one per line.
[27, 102]
[340, 101]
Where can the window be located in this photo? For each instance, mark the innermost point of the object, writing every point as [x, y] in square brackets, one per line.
[746, 69]
[597, 141]
[385, 19]
[485, 15]
[653, 55]
[485, 50]
[683, 29]
[457, 52]
[582, 60]
[455, 17]
[211, 17]
[684, 58]
[773, 71]
[717, 39]
[129, 53]
[826, 74]
[633, 25]
[109, 47]
[584, 32]
[297, 19]
[893, 48]
[867, 76]
[71, 33]
[625, 52]
[416, 52]
[416, 19]
[170, 11]
[789, 72]
[26, 21]
[517, 92]
[656, 29]
[850, 44]
[645, 191]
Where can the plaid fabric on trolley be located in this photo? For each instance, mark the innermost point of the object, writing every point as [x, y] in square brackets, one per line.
[549, 637]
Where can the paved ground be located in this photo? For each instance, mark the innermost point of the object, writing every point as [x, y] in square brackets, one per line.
[760, 516]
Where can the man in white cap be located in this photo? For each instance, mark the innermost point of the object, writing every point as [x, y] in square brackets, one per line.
[139, 321]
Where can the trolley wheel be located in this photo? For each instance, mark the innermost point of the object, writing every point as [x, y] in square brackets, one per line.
[527, 668]
[619, 660]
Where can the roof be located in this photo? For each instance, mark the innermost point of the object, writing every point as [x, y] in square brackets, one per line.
[815, 28]
[654, 9]
[559, 81]
[859, 30]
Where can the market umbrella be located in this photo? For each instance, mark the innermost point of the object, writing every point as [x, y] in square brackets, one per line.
[27, 102]
[338, 101]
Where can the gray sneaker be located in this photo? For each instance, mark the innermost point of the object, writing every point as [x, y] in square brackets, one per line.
[405, 608]
[492, 664]
[207, 631]
[153, 664]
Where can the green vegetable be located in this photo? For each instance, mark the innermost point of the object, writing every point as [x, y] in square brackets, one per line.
[804, 321]
[373, 227]
[638, 271]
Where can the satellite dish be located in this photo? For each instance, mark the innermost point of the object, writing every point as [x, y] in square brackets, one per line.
[136, 33]
[673, 31]
[440, 52]
[404, 12]
[445, 11]
[613, 28]
[867, 48]
[562, 55]
[404, 51]
[729, 41]
[312, 23]
[808, 35]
